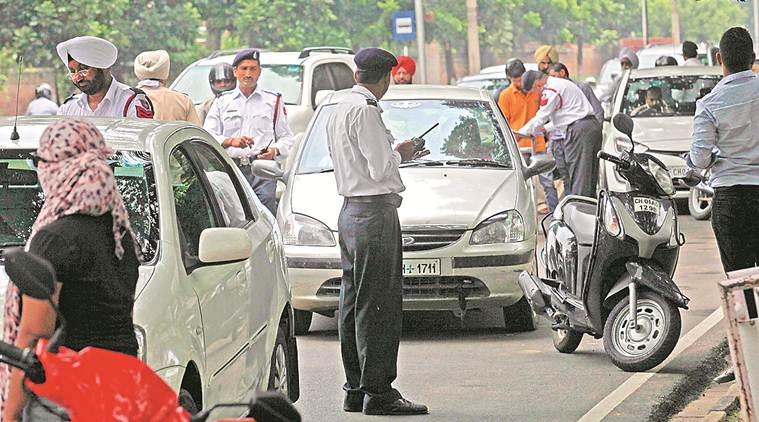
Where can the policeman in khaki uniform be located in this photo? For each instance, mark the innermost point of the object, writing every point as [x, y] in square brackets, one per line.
[251, 124]
[367, 176]
[152, 68]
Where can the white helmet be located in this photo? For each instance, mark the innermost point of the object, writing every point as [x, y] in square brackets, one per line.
[44, 90]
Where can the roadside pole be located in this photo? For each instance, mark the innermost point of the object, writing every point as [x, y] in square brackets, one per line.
[422, 59]
[472, 37]
[675, 25]
[644, 21]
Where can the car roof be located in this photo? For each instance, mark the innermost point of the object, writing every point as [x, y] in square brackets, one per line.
[675, 71]
[483, 77]
[501, 68]
[272, 58]
[120, 134]
[660, 49]
[427, 92]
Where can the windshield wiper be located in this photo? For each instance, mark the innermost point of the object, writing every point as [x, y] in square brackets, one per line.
[12, 244]
[477, 162]
[420, 162]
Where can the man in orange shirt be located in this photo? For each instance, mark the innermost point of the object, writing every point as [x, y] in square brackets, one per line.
[518, 107]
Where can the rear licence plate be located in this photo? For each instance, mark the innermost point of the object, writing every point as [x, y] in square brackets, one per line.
[678, 172]
[641, 204]
[421, 267]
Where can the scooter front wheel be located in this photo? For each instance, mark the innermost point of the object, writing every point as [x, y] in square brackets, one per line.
[642, 347]
[566, 341]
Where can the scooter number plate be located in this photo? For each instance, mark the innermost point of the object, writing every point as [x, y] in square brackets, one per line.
[641, 204]
[421, 267]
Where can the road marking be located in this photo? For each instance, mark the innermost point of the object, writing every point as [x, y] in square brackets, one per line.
[610, 402]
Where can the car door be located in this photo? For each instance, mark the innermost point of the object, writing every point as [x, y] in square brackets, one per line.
[221, 289]
[238, 211]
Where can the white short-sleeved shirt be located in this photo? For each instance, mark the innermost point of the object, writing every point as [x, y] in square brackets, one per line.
[232, 114]
[562, 103]
[361, 147]
[119, 101]
[42, 107]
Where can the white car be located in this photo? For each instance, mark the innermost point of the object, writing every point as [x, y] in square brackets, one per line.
[212, 310]
[492, 79]
[468, 216]
[647, 56]
[666, 130]
[299, 76]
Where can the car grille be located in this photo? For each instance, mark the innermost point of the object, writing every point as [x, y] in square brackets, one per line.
[425, 240]
[424, 287]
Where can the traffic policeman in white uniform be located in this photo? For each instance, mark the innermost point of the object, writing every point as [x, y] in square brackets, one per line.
[251, 124]
[89, 60]
[371, 295]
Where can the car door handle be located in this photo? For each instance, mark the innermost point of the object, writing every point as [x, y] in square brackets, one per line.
[270, 249]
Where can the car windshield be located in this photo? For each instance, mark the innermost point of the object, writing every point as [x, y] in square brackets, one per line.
[468, 132]
[490, 85]
[21, 197]
[285, 79]
[666, 95]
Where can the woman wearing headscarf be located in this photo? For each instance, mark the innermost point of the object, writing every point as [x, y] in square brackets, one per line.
[83, 230]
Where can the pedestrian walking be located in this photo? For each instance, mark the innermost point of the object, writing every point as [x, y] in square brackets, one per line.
[690, 54]
[403, 72]
[371, 294]
[42, 104]
[221, 78]
[152, 68]
[89, 61]
[724, 143]
[545, 56]
[83, 230]
[518, 106]
[565, 106]
[251, 124]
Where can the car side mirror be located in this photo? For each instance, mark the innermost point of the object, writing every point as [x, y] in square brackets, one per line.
[624, 124]
[539, 166]
[224, 245]
[267, 169]
[33, 275]
[322, 95]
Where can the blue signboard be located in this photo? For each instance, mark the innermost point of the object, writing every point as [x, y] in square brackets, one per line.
[403, 25]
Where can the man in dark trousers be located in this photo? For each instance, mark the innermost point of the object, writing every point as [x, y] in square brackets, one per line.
[371, 295]
[571, 115]
[724, 141]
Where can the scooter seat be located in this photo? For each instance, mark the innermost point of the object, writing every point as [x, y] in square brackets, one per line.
[580, 216]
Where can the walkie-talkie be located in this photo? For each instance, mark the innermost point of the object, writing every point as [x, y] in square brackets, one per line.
[419, 140]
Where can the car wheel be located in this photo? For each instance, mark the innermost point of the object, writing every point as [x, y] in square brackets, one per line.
[187, 402]
[519, 317]
[302, 322]
[699, 204]
[279, 372]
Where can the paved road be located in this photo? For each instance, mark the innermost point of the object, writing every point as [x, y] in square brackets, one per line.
[481, 373]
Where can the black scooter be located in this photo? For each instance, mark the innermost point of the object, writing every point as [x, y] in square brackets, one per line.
[609, 263]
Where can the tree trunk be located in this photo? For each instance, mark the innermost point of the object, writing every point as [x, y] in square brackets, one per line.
[449, 72]
[579, 56]
[213, 37]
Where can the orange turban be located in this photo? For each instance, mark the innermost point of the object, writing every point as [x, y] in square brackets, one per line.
[405, 62]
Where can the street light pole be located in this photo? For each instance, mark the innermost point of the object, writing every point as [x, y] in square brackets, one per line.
[644, 20]
[422, 59]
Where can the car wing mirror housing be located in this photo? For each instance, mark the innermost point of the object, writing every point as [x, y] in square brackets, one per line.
[221, 245]
[539, 166]
[267, 169]
[34, 276]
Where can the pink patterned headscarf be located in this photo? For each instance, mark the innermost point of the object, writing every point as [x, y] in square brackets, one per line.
[74, 174]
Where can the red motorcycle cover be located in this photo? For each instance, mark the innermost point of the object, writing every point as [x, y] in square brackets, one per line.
[97, 385]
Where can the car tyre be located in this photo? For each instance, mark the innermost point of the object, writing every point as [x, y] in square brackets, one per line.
[566, 341]
[187, 402]
[302, 322]
[280, 371]
[699, 207]
[519, 317]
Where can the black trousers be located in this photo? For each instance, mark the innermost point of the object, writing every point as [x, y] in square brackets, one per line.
[581, 145]
[371, 297]
[735, 219]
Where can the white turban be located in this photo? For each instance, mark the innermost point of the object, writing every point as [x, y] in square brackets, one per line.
[152, 65]
[90, 51]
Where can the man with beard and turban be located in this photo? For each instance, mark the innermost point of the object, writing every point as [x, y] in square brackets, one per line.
[152, 68]
[545, 56]
[89, 61]
[403, 72]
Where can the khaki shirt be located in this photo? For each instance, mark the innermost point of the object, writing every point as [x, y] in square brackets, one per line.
[172, 105]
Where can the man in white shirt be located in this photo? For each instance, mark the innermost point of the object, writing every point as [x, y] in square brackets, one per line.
[251, 124]
[690, 54]
[42, 105]
[89, 61]
[569, 111]
[371, 294]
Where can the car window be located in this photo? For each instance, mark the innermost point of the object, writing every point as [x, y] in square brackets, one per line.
[21, 197]
[321, 81]
[342, 75]
[468, 130]
[194, 212]
[666, 95]
[224, 185]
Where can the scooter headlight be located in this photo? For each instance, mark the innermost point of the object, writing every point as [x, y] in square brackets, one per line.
[662, 176]
[611, 221]
[506, 227]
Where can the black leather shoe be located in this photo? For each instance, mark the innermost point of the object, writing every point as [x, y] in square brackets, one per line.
[354, 401]
[727, 375]
[399, 406]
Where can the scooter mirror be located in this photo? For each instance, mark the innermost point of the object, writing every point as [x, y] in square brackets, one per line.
[624, 124]
[33, 275]
[274, 407]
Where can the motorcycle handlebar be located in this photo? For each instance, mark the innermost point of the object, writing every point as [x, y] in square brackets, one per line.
[616, 160]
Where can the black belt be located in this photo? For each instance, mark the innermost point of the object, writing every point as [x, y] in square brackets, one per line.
[388, 198]
[589, 116]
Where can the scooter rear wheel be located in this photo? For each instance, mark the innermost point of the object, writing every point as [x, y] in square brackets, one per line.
[566, 341]
[637, 349]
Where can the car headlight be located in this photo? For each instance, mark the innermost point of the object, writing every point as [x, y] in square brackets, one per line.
[506, 227]
[662, 176]
[142, 351]
[622, 143]
[302, 230]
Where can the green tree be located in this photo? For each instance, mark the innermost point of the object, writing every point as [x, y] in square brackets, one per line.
[699, 20]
